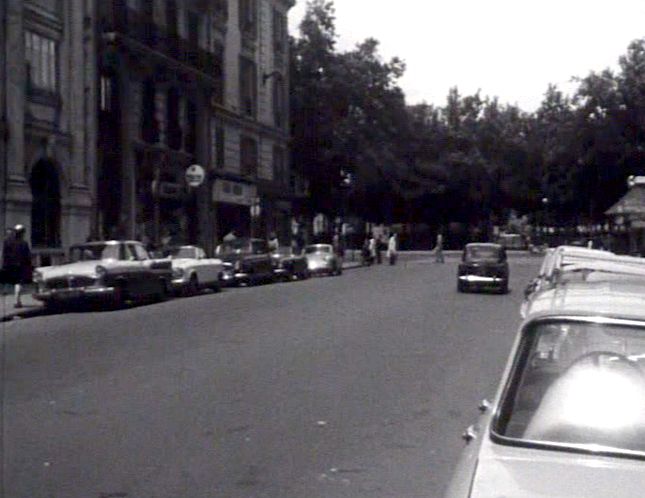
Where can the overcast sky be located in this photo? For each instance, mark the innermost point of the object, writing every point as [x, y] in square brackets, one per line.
[507, 48]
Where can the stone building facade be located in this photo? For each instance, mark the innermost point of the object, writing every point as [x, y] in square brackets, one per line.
[47, 121]
[185, 82]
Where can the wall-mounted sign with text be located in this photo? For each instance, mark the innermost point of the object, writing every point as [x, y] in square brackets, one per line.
[234, 192]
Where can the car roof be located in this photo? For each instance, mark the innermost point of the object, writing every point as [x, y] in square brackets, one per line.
[612, 299]
[106, 242]
[319, 245]
[484, 244]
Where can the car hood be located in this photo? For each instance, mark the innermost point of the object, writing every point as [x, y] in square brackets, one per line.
[319, 256]
[232, 258]
[513, 472]
[78, 268]
[186, 262]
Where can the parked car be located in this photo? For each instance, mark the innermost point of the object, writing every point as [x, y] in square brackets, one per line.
[512, 241]
[568, 418]
[193, 271]
[287, 265]
[246, 261]
[483, 266]
[321, 259]
[563, 258]
[114, 271]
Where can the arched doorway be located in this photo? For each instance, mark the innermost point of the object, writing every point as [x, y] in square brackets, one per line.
[45, 206]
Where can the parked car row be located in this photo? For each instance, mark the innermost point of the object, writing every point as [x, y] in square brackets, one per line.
[568, 417]
[113, 272]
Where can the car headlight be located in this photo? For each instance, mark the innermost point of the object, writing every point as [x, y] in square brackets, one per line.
[100, 271]
[37, 277]
[177, 273]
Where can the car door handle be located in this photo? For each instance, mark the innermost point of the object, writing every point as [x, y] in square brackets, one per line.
[469, 434]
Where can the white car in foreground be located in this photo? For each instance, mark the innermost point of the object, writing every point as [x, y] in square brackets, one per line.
[193, 271]
[568, 419]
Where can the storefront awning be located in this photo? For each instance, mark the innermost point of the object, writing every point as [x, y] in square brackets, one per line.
[632, 204]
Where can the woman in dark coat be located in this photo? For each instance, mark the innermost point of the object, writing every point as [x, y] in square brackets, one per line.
[16, 262]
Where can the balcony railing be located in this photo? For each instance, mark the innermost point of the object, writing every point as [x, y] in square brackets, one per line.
[117, 17]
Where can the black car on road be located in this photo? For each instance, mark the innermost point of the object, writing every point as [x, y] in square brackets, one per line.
[483, 267]
[246, 261]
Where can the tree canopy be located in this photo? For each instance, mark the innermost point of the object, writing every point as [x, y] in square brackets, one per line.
[472, 160]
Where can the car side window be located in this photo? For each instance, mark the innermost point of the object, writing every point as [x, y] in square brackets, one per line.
[140, 252]
[260, 247]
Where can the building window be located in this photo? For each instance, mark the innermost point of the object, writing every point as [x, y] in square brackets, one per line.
[248, 157]
[192, 28]
[173, 131]
[220, 9]
[171, 17]
[248, 87]
[279, 31]
[248, 17]
[279, 165]
[217, 145]
[41, 54]
[149, 124]
[279, 102]
[191, 127]
[218, 73]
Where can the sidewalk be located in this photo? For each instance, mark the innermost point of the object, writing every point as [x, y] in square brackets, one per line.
[7, 301]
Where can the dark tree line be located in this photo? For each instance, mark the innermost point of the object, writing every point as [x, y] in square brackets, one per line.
[470, 161]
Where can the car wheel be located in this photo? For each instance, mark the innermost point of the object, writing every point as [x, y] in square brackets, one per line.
[193, 286]
[462, 286]
[162, 294]
[120, 295]
[503, 289]
[216, 287]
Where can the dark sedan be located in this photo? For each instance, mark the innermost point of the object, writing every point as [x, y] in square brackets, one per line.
[288, 266]
[246, 261]
[483, 267]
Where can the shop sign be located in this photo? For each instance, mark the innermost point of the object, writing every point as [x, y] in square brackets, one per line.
[195, 175]
[234, 192]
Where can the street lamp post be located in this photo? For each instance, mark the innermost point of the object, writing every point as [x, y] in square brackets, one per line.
[345, 185]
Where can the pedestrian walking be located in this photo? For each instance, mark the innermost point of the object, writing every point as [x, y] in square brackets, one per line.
[365, 253]
[372, 248]
[392, 249]
[274, 243]
[438, 249]
[16, 262]
[379, 249]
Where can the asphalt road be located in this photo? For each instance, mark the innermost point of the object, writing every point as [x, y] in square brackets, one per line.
[349, 386]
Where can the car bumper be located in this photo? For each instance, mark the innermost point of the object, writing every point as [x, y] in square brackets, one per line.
[484, 281]
[75, 294]
[320, 267]
[234, 278]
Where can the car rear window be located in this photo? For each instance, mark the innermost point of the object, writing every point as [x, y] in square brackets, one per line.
[580, 384]
[483, 254]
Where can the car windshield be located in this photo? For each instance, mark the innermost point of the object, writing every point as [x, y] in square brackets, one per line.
[315, 249]
[579, 384]
[94, 252]
[483, 253]
[182, 252]
[283, 251]
[233, 247]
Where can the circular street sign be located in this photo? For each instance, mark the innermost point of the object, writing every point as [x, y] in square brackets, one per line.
[195, 175]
